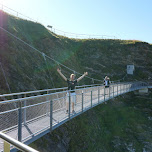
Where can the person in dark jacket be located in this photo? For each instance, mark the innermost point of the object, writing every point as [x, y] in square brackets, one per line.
[72, 82]
[106, 82]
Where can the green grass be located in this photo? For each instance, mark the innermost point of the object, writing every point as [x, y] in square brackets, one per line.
[27, 70]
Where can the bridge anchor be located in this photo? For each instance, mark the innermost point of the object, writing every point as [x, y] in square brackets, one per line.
[141, 91]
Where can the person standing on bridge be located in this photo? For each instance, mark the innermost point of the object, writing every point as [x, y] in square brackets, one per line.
[72, 82]
[106, 82]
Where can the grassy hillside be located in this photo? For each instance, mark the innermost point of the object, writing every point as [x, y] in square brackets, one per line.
[26, 69]
[124, 124]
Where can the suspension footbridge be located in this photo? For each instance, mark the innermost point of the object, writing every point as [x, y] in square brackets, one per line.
[27, 116]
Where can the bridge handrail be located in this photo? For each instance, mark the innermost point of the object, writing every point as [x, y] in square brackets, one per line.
[55, 89]
[45, 90]
[16, 143]
[31, 97]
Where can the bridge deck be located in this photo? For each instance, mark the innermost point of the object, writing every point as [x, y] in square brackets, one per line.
[37, 127]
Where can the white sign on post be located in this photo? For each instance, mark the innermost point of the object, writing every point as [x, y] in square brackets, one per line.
[130, 69]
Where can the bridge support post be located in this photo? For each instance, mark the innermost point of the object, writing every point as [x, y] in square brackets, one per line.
[98, 94]
[51, 114]
[113, 91]
[91, 98]
[129, 87]
[117, 89]
[24, 110]
[125, 88]
[20, 121]
[82, 101]
[47, 104]
[109, 91]
[69, 104]
[104, 94]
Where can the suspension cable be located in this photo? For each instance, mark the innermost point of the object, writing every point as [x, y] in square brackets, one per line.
[5, 78]
[42, 53]
[48, 69]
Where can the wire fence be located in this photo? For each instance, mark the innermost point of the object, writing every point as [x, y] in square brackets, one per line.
[54, 30]
[79, 36]
[15, 13]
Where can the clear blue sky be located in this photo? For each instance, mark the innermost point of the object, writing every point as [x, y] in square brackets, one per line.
[125, 19]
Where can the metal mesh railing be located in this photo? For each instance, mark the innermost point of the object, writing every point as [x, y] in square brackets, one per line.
[25, 118]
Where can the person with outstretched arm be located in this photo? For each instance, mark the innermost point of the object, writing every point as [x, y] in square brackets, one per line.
[72, 82]
[106, 82]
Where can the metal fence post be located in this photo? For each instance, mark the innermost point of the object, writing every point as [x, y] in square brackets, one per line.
[98, 95]
[109, 92]
[69, 104]
[91, 98]
[117, 89]
[47, 106]
[51, 114]
[24, 110]
[82, 101]
[125, 88]
[113, 91]
[104, 94]
[129, 87]
[20, 121]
